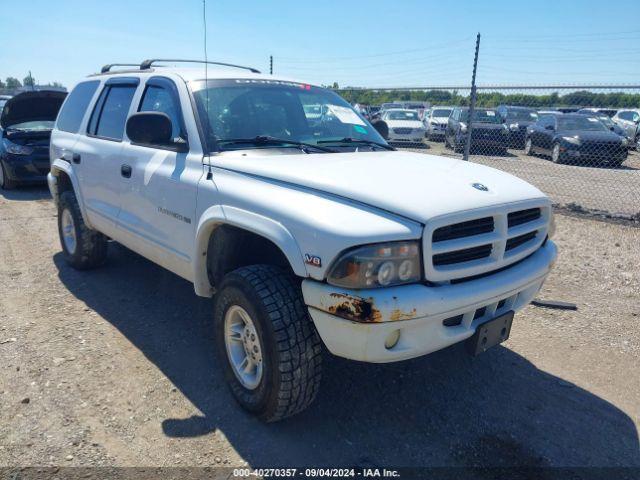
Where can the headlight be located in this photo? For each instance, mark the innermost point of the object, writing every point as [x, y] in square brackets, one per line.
[572, 140]
[552, 225]
[380, 265]
[504, 130]
[624, 142]
[514, 126]
[463, 127]
[16, 149]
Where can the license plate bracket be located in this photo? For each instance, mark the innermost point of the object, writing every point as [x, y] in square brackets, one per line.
[490, 333]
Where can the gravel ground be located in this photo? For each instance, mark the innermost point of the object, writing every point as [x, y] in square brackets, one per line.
[115, 367]
[611, 190]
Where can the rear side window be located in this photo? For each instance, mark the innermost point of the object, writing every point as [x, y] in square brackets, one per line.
[110, 113]
[72, 112]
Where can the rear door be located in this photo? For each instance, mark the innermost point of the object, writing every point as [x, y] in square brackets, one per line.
[159, 199]
[99, 153]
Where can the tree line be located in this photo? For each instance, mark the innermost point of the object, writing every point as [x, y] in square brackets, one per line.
[584, 98]
[28, 81]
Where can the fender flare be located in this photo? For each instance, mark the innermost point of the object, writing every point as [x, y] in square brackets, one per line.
[218, 215]
[57, 166]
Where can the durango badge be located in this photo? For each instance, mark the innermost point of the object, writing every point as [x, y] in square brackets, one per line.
[312, 260]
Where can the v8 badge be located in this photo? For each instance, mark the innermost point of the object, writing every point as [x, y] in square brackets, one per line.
[312, 260]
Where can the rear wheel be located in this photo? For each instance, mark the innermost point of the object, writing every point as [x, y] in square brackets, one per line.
[83, 248]
[266, 342]
[5, 182]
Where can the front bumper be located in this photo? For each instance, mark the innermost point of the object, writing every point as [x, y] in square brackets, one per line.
[417, 136]
[356, 323]
[26, 168]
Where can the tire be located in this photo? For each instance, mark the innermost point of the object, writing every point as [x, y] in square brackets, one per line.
[82, 247]
[528, 147]
[288, 365]
[5, 182]
[556, 154]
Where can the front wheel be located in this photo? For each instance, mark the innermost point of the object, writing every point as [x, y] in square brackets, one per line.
[556, 155]
[83, 248]
[5, 182]
[266, 343]
[528, 147]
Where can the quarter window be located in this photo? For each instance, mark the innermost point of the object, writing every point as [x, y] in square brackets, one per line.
[73, 110]
[110, 113]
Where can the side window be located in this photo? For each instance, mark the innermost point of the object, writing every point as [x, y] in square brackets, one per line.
[72, 112]
[110, 113]
[635, 117]
[160, 99]
[625, 115]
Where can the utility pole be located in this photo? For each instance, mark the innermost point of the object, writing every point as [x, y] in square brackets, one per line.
[472, 104]
[33, 87]
[270, 64]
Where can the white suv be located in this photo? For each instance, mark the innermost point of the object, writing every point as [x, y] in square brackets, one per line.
[279, 200]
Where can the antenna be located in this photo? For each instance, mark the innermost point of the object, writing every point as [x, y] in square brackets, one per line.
[206, 71]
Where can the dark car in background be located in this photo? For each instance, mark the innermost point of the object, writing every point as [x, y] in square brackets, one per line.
[25, 124]
[517, 119]
[576, 138]
[487, 130]
[609, 112]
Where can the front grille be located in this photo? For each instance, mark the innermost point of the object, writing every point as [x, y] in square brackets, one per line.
[461, 247]
[523, 216]
[460, 256]
[520, 240]
[463, 229]
[403, 130]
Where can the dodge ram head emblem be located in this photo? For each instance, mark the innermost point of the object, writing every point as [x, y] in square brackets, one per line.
[481, 187]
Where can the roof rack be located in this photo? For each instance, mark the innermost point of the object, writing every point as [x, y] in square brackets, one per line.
[108, 67]
[146, 65]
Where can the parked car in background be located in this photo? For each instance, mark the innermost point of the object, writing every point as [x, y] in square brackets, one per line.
[435, 123]
[25, 123]
[488, 131]
[609, 112]
[609, 123]
[404, 126]
[388, 106]
[517, 119]
[629, 121]
[575, 138]
[3, 100]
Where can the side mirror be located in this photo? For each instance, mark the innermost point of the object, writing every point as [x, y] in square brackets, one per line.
[152, 128]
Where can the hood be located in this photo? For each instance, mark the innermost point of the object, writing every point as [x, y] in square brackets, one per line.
[32, 106]
[439, 119]
[605, 136]
[405, 123]
[413, 185]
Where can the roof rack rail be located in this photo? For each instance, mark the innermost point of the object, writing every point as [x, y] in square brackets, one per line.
[109, 66]
[146, 65]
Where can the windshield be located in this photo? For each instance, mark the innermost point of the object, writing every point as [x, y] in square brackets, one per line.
[34, 125]
[580, 123]
[441, 112]
[481, 116]
[402, 115]
[522, 115]
[607, 121]
[244, 109]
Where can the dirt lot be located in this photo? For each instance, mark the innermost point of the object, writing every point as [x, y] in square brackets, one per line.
[611, 190]
[115, 367]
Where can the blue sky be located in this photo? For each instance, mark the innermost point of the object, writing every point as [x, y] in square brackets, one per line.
[356, 43]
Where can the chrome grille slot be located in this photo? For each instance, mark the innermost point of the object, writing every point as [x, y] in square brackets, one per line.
[403, 130]
[523, 216]
[463, 229]
[515, 242]
[481, 241]
[460, 256]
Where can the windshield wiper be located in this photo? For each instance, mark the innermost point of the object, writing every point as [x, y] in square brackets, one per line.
[358, 141]
[266, 140]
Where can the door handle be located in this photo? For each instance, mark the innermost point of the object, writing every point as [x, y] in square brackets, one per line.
[125, 171]
[75, 158]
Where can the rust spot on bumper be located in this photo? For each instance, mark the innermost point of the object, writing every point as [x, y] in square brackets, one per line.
[398, 314]
[354, 308]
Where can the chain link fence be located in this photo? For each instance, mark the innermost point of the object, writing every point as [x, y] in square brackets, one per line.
[578, 144]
